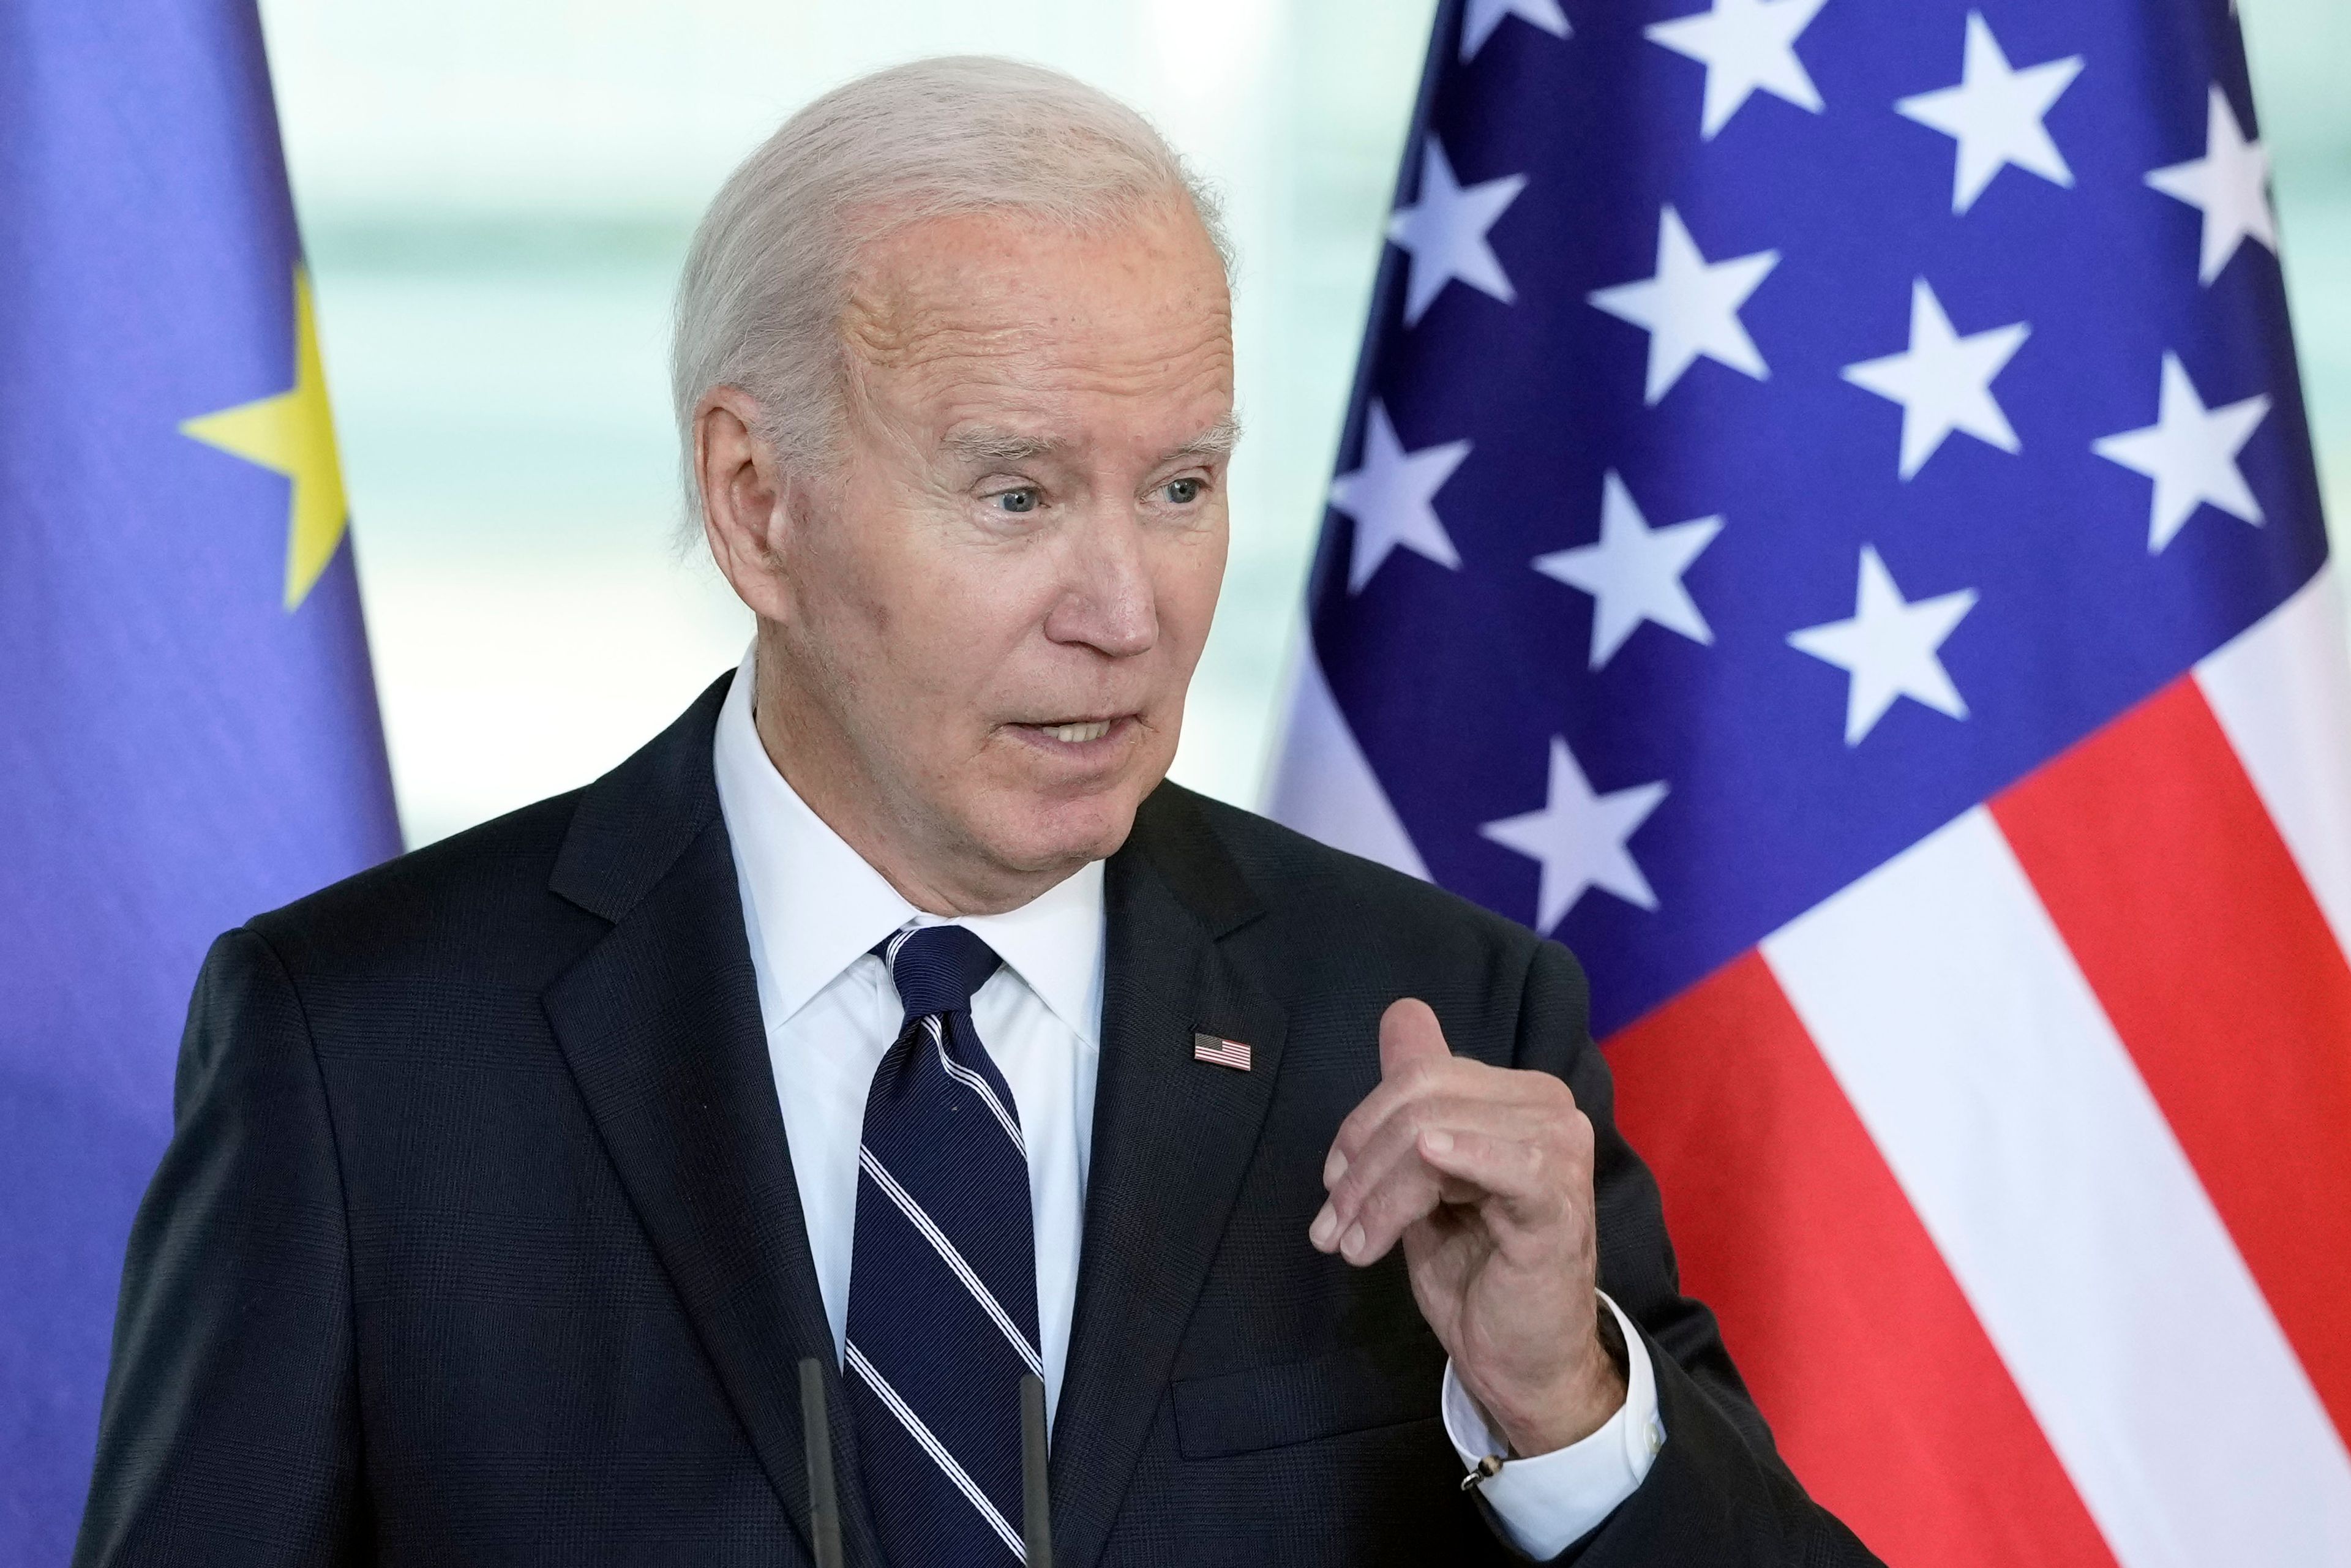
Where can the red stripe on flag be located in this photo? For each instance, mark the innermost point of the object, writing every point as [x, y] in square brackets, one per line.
[2184, 908]
[1885, 1395]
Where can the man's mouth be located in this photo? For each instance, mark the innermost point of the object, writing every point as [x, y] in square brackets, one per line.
[1079, 732]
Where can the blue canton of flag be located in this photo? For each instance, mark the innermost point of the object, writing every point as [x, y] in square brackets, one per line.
[188, 729]
[1782, 425]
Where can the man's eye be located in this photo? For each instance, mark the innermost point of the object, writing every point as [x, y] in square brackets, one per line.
[1023, 500]
[1183, 492]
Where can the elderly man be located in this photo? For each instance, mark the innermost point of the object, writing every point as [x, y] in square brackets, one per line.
[890, 1009]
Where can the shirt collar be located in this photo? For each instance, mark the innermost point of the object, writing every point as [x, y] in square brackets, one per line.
[813, 905]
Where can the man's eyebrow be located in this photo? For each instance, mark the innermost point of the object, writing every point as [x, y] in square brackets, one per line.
[984, 445]
[1216, 441]
[990, 446]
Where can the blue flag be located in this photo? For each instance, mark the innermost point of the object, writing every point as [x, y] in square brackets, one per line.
[1827, 530]
[188, 727]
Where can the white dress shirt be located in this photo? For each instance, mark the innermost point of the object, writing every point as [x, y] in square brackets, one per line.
[813, 908]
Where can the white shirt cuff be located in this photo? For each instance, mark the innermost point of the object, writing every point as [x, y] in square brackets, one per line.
[1547, 1503]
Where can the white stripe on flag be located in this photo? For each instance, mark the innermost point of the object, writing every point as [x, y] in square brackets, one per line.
[1957, 1024]
[1324, 786]
[2282, 691]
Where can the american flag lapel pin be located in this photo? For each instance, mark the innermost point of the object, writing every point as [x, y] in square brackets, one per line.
[1218, 1053]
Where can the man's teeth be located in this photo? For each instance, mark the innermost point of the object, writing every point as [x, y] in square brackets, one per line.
[1077, 733]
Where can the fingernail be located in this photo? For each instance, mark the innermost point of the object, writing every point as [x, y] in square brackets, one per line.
[1353, 1243]
[1333, 1168]
[1439, 1141]
[1326, 1224]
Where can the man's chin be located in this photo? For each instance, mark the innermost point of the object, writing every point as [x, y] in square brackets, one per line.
[1061, 835]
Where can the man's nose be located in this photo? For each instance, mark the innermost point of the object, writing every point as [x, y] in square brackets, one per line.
[1108, 603]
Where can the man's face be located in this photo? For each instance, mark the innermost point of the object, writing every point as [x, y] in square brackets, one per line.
[996, 602]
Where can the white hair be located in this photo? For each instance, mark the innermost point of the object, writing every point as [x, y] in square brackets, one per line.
[765, 280]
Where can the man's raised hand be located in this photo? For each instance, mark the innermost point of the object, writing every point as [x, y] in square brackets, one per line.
[1485, 1176]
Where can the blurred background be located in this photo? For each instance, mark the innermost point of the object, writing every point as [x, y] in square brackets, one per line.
[496, 199]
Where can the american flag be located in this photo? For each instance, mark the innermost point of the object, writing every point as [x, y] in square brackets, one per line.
[1218, 1053]
[1827, 530]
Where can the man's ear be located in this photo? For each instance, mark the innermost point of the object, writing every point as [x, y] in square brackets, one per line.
[747, 504]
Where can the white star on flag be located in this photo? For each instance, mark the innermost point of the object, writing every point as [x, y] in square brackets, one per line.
[1392, 498]
[1889, 648]
[1944, 380]
[1444, 233]
[2190, 453]
[1578, 839]
[1995, 115]
[1744, 45]
[1635, 572]
[2230, 183]
[1690, 307]
[1478, 24]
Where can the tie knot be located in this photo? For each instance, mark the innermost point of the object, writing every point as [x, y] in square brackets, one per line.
[937, 967]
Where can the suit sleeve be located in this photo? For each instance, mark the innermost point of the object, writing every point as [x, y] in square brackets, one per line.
[230, 1430]
[1717, 1492]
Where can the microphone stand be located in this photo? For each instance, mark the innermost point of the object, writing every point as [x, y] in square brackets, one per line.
[1036, 1496]
[816, 1443]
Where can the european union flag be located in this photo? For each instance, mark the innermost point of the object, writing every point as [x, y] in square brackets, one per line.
[188, 728]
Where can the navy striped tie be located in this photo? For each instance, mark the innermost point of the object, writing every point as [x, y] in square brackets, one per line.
[942, 1284]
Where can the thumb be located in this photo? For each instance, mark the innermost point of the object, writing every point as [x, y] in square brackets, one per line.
[1409, 1032]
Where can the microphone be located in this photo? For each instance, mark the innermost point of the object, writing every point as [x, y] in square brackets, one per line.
[1035, 1497]
[816, 1443]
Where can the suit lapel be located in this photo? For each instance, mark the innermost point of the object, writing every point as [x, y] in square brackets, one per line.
[659, 1025]
[1172, 1139]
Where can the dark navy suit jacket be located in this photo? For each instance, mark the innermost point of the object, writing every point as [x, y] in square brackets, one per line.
[478, 1240]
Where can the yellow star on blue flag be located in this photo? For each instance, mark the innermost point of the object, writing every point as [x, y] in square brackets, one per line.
[292, 433]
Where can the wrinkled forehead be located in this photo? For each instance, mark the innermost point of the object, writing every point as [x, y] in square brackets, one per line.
[1010, 305]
